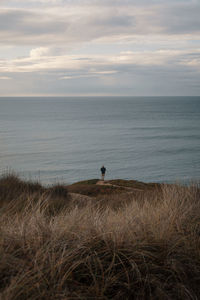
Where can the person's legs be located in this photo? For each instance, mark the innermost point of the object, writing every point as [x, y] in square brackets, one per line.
[102, 177]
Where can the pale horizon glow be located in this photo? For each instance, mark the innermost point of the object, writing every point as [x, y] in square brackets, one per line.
[99, 48]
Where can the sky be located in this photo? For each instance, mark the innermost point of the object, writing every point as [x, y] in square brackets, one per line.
[99, 47]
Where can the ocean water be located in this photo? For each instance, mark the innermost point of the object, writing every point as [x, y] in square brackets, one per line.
[151, 139]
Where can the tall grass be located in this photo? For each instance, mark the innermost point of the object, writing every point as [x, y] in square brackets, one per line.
[146, 249]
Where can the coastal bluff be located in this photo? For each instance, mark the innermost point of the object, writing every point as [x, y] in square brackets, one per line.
[116, 239]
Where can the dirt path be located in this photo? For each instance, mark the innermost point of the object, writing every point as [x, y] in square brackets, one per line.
[100, 182]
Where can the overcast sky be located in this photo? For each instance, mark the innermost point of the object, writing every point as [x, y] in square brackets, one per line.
[99, 47]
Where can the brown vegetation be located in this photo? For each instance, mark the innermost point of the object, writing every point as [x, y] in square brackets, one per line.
[135, 184]
[134, 248]
[94, 190]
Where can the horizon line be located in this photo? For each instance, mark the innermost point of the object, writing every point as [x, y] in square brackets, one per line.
[84, 96]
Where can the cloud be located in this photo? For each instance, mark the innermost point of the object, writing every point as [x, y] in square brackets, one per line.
[40, 61]
[99, 44]
[91, 74]
[180, 19]
[5, 78]
[22, 27]
[83, 22]
[38, 52]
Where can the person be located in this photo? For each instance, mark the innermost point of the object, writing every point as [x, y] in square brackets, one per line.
[103, 171]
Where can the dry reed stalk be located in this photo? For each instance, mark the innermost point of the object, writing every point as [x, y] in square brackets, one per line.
[141, 249]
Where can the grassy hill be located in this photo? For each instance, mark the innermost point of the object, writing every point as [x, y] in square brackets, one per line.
[121, 240]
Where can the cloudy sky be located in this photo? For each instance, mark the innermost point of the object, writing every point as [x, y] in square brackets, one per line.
[99, 47]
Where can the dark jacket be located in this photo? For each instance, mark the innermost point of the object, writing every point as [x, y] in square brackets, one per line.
[103, 170]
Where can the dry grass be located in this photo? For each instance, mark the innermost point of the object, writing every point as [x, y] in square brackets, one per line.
[134, 184]
[142, 249]
[94, 190]
[16, 194]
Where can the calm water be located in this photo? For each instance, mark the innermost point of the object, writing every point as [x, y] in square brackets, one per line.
[68, 139]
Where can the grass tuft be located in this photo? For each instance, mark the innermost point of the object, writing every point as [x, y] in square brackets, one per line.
[140, 246]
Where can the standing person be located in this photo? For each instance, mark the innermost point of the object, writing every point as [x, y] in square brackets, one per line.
[103, 171]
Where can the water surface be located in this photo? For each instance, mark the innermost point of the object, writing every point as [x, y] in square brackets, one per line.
[68, 139]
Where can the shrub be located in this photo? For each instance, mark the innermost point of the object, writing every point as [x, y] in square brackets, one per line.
[12, 188]
[17, 194]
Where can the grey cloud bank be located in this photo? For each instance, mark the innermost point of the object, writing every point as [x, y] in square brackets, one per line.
[100, 47]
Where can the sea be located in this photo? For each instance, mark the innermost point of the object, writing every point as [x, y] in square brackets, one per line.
[68, 139]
